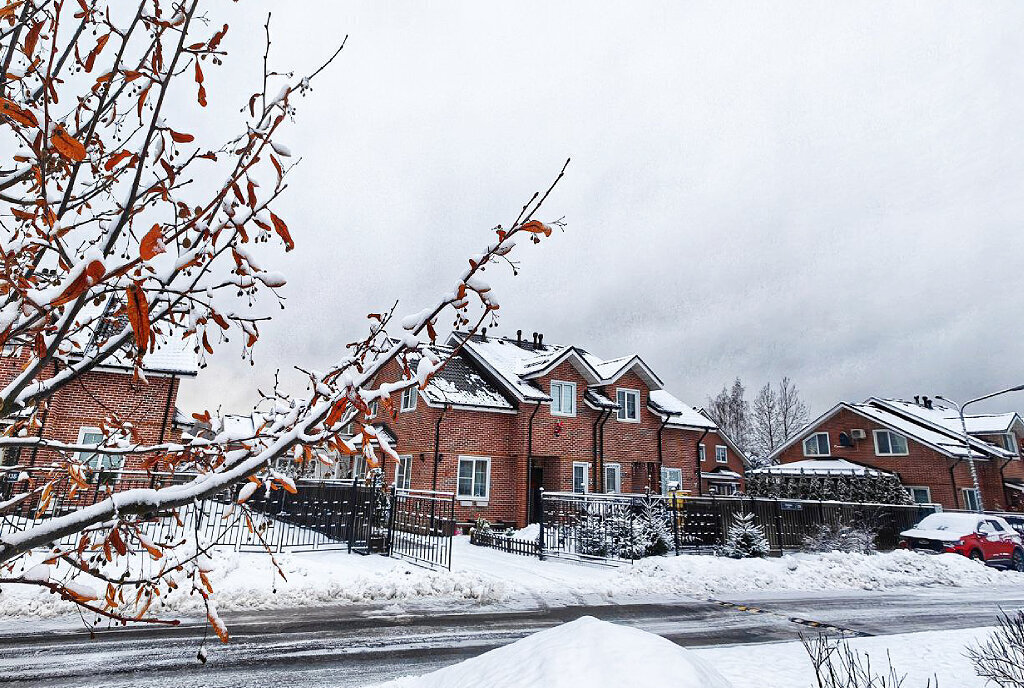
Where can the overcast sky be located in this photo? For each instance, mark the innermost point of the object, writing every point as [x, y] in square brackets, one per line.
[829, 191]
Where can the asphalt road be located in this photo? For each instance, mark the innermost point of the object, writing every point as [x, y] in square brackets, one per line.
[357, 646]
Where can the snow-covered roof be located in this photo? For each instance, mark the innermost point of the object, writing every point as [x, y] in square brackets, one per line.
[504, 358]
[818, 467]
[977, 424]
[598, 400]
[679, 413]
[458, 383]
[721, 474]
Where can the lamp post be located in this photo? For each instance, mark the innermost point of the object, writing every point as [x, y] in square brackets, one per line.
[967, 438]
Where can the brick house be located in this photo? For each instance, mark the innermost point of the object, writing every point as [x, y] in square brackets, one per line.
[507, 416]
[76, 411]
[922, 445]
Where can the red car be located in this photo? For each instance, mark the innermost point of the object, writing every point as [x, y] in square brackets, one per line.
[979, 536]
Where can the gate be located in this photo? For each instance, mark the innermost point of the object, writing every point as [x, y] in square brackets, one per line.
[422, 523]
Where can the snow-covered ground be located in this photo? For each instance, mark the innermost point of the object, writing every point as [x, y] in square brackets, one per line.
[592, 653]
[486, 577]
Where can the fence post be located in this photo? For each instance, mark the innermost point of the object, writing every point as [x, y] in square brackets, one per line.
[675, 523]
[540, 522]
[352, 515]
[391, 520]
[778, 524]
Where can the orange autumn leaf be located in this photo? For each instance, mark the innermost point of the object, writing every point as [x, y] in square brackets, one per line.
[18, 114]
[337, 411]
[8, 10]
[218, 627]
[138, 316]
[181, 138]
[31, 38]
[116, 158]
[67, 145]
[91, 275]
[152, 244]
[536, 227]
[282, 229]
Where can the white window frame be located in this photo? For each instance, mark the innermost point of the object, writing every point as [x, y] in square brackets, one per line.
[372, 409]
[890, 433]
[665, 479]
[721, 453]
[828, 441]
[966, 501]
[927, 491]
[702, 453]
[408, 402]
[472, 488]
[114, 472]
[617, 469]
[586, 476]
[626, 391]
[1011, 439]
[562, 385]
[403, 472]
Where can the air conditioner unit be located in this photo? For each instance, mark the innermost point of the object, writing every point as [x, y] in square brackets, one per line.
[858, 434]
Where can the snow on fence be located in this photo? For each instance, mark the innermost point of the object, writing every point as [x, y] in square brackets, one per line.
[628, 527]
[504, 543]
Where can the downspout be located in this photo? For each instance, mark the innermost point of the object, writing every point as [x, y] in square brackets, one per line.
[601, 417]
[437, 446]
[661, 460]
[1002, 481]
[167, 409]
[700, 482]
[952, 483]
[600, 453]
[529, 462]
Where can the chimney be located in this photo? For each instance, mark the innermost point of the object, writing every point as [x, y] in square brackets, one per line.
[519, 337]
[540, 339]
[483, 333]
[917, 399]
[927, 402]
[534, 340]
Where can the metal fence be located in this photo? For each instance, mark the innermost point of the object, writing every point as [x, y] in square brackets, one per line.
[589, 526]
[355, 514]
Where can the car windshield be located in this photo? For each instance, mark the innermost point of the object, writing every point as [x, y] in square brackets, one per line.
[954, 524]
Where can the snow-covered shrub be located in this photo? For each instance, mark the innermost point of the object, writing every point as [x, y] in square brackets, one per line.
[828, 537]
[874, 488]
[651, 527]
[482, 526]
[592, 535]
[746, 538]
[1000, 659]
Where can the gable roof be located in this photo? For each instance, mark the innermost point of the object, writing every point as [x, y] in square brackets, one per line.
[977, 424]
[460, 384]
[933, 435]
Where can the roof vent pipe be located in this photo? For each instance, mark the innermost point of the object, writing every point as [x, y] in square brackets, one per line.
[483, 333]
[535, 340]
[540, 339]
[917, 399]
[519, 336]
[927, 402]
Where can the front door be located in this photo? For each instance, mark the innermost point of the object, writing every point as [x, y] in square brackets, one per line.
[536, 481]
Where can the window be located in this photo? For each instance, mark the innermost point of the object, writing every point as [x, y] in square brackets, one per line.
[96, 461]
[580, 477]
[373, 409]
[1009, 441]
[671, 479]
[403, 472]
[474, 477]
[563, 398]
[409, 398]
[701, 454]
[724, 489]
[888, 443]
[920, 495]
[817, 445]
[629, 405]
[721, 454]
[971, 498]
[612, 478]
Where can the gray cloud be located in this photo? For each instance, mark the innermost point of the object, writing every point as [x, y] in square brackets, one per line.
[831, 192]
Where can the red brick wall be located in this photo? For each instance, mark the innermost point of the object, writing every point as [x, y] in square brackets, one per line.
[922, 467]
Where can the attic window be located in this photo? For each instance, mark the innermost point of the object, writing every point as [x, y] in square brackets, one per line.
[888, 443]
[629, 405]
[818, 445]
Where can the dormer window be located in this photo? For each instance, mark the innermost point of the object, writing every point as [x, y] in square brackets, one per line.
[818, 445]
[409, 399]
[1009, 442]
[629, 405]
[563, 398]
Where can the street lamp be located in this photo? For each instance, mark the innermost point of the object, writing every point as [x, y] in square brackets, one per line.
[967, 438]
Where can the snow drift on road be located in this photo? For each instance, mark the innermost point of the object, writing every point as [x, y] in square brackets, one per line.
[584, 652]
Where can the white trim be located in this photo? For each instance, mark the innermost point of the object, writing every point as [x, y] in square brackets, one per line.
[551, 393]
[928, 491]
[828, 440]
[623, 406]
[965, 503]
[721, 446]
[702, 453]
[878, 452]
[586, 476]
[487, 488]
[93, 430]
[402, 408]
[618, 477]
[407, 460]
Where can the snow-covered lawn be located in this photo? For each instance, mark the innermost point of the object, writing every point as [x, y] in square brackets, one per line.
[593, 653]
[484, 576]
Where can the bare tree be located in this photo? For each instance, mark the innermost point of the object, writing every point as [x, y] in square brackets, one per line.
[778, 414]
[792, 410]
[731, 411]
[1000, 658]
[105, 199]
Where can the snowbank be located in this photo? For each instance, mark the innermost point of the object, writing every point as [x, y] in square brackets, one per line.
[584, 652]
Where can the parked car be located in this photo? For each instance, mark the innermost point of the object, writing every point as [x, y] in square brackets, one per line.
[979, 536]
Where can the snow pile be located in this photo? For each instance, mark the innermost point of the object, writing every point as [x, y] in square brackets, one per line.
[833, 571]
[584, 652]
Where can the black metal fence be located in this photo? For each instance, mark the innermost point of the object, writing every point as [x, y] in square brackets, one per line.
[358, 515]
[422, 524]
[505, 543]
[628, 526]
